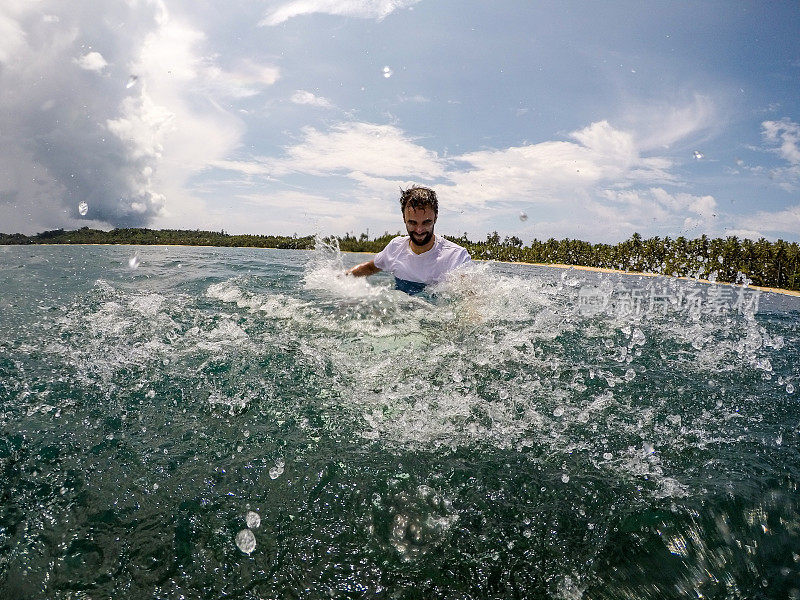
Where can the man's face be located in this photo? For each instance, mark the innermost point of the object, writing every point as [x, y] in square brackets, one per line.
[419, 224]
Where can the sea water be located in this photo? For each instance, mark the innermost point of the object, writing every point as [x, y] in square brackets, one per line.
[213, 423]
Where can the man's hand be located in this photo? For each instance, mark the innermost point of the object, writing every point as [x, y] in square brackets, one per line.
[364, 269]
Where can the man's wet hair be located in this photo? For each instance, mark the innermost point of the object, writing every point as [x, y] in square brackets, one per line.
[418, 197]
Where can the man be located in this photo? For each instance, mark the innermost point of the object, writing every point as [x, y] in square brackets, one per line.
[420, 258]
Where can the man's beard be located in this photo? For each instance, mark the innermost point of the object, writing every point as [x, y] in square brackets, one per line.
[421, 241]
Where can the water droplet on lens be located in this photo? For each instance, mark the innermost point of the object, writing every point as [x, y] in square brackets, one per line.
[523, 216]
[253, 520]
[246, 541]
[387, 72]
[133, 262]
[131, 81]
[698, 155]
[83, 208]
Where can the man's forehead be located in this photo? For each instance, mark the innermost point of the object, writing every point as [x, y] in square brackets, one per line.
[420, 213]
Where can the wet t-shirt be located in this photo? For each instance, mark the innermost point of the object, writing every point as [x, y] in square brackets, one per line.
[412, 271]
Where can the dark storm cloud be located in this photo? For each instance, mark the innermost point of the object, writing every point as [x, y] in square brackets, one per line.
[71, 126]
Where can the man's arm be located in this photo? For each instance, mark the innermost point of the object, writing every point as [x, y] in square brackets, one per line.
[364, 269]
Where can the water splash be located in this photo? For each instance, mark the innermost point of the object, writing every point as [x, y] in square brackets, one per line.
[246, 541]
[253, 520]
[405, 420]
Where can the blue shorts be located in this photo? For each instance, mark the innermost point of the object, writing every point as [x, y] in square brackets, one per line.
[409, 287]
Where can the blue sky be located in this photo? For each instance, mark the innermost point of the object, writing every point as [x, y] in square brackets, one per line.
[596, 119]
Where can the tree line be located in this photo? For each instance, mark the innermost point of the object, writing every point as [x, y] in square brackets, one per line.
[730, 259]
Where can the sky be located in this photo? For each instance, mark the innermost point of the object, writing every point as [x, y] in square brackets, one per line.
[594, 120]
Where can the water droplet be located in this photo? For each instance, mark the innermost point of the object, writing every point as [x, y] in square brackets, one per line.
[133, 261]
[523, 216]
[246, 541]
[83, 208]
[275, 472]
[565, 478]
[630, 374]
[387, 72]
[155, 486]
[253, 520]
[558, 411]
[527, 533]
[789, 388]
[608, 455]
[698, 155]
[131, 81]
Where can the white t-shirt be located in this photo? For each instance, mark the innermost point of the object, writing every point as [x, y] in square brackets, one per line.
[429, 267]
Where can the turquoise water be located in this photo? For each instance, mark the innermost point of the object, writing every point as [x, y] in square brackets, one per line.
[523, 432]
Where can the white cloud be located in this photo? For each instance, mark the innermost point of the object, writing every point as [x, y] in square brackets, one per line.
[592, 181]
[365, 9]
[93, 61]
[288, 211]
[786, 133]
[377, 150]
[247, 80]
[12, 36]
[304, 97]
[659, 126]
[777, 222]
[616, 214]
[416, 98]
[553, 171]
[247, 168]
[128, 151]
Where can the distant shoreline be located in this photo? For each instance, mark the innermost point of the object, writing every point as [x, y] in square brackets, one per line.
[760, 288]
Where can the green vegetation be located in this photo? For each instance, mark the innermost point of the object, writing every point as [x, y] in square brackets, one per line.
[771, 264]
